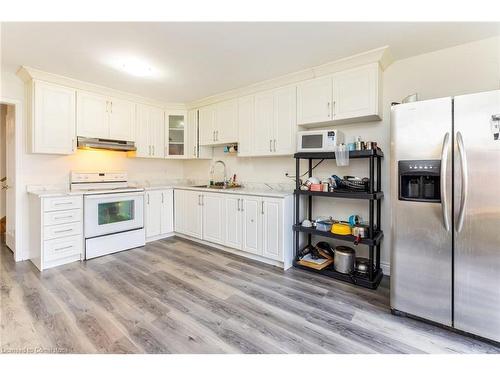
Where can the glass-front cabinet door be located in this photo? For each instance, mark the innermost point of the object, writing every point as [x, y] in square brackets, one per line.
[176, 134]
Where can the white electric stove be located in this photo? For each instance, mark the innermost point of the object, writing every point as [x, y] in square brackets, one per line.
[113, 212]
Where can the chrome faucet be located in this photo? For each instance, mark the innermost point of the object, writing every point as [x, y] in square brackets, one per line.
[212, 170]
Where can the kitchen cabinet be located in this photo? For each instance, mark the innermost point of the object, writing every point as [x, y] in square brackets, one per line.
[176, 134]
[314, 100]
[353, 95]
[213, 217]
[233, 221]
[251, 224]
[218, 123]
[188, 212]
[149, 132]
[193, 148]
[246, 124]
[53, 118]
[356, 93]
[100, 116]
[272, 228]
[159, 213]
[275, 124]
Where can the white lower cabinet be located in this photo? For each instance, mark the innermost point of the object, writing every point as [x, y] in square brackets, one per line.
[252, 224]
[159, 213]
[56, 230]
[188, 212]
[213, 217]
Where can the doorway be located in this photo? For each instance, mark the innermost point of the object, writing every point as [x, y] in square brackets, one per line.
[8, 168]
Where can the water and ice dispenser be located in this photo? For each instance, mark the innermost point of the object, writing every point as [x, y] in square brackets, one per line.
[419, 180]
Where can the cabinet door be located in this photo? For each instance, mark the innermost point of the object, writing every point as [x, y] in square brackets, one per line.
[232, 221]
[54, 120]
[252, 224]
[285, 121]
[192, 135]
[193, 213]
[153, 213]
[246, 122]
[92, 118]
[180, 213]
[142, 131]
[226, 122]
[213, 217]
[167, 211]
[272, 228]
[264, 124]
[121, 120]
[355, 93]
[175, 134]
[157, 132]
[206, 125]
[314, 100]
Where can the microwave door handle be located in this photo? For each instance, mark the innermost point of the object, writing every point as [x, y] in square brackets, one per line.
[465, 182]
[444, 196]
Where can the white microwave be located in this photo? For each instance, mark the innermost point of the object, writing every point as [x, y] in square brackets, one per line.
[318, 140]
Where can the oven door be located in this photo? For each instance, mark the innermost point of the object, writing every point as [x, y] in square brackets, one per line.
[113, 213]
[311, 141]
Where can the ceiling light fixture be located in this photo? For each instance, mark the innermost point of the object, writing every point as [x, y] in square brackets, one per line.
[134, 66]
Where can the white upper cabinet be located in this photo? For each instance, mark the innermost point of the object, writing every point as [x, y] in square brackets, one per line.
[264, 124]
[176, 134]
[356, 93]
[246, 124]
[149, 132]
[100, 116]
[349, 96]
[192, 134]
[206, 125]
[121, 120]
[285, 121]
[53, 119]
[226, 122]
[92, 115]
[314, 100]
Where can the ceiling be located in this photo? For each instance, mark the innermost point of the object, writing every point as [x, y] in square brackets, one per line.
[196, 60]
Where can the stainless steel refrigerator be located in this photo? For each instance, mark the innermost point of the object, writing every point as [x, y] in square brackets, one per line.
[445, 190]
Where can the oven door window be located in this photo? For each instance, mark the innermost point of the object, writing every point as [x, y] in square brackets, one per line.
[115, 212]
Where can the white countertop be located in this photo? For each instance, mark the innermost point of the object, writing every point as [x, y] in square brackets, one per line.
[47, 193]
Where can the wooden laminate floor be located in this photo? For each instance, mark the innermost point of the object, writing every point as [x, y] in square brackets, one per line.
[176, 296]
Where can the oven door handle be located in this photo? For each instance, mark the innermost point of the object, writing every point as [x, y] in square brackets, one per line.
[115, 195]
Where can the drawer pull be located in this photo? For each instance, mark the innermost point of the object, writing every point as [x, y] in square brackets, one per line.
[63, 217]
[63, 230]
[63, 248]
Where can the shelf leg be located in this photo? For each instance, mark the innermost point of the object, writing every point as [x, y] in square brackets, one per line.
[309, 202]
[297, 205]
[370, 257]
[377, 262]
[372, 174]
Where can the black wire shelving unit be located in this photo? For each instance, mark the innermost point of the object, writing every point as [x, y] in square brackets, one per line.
[374, 196]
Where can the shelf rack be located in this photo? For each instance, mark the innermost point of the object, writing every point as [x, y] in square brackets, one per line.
[374, 196]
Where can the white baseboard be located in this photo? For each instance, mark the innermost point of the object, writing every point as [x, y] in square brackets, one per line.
[233, 251]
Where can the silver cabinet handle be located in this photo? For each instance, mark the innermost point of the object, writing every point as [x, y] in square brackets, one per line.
[262, 207]
[275, 145]
[202, 200]
[216, 135]
[63, 217]
[194, 151]
[270, 145]
[63, 230]
[444, 165]
[63, 248]
[465, 182]
[329, 109]
[213, 136]
[242, 205]
[148, 197]
[153, 149]
[238, 205]
[111, 107]
[333, 112]
[199, 203]
[62, 203]
[162, 198]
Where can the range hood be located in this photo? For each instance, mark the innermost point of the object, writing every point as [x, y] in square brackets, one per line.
[105, 144]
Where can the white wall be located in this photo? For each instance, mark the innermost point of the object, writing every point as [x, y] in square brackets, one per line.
[39, 169]
[3, 113]
[467, 68]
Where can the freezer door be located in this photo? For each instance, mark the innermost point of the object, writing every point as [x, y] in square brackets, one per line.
[477, 215]
[421, 257]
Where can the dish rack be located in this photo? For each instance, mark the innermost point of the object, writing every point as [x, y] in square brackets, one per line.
[368, 189]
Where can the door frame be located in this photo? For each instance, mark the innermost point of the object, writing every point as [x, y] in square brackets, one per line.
[16, 155]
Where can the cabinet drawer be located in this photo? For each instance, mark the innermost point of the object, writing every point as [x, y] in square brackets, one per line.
[62, 230]
[62, 217]
[62, 203]
[62, 247]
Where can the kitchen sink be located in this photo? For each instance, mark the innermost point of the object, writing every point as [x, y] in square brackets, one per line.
[217, 187]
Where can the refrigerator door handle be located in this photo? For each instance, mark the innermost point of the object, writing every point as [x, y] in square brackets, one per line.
[444, 165]
[465, 182]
